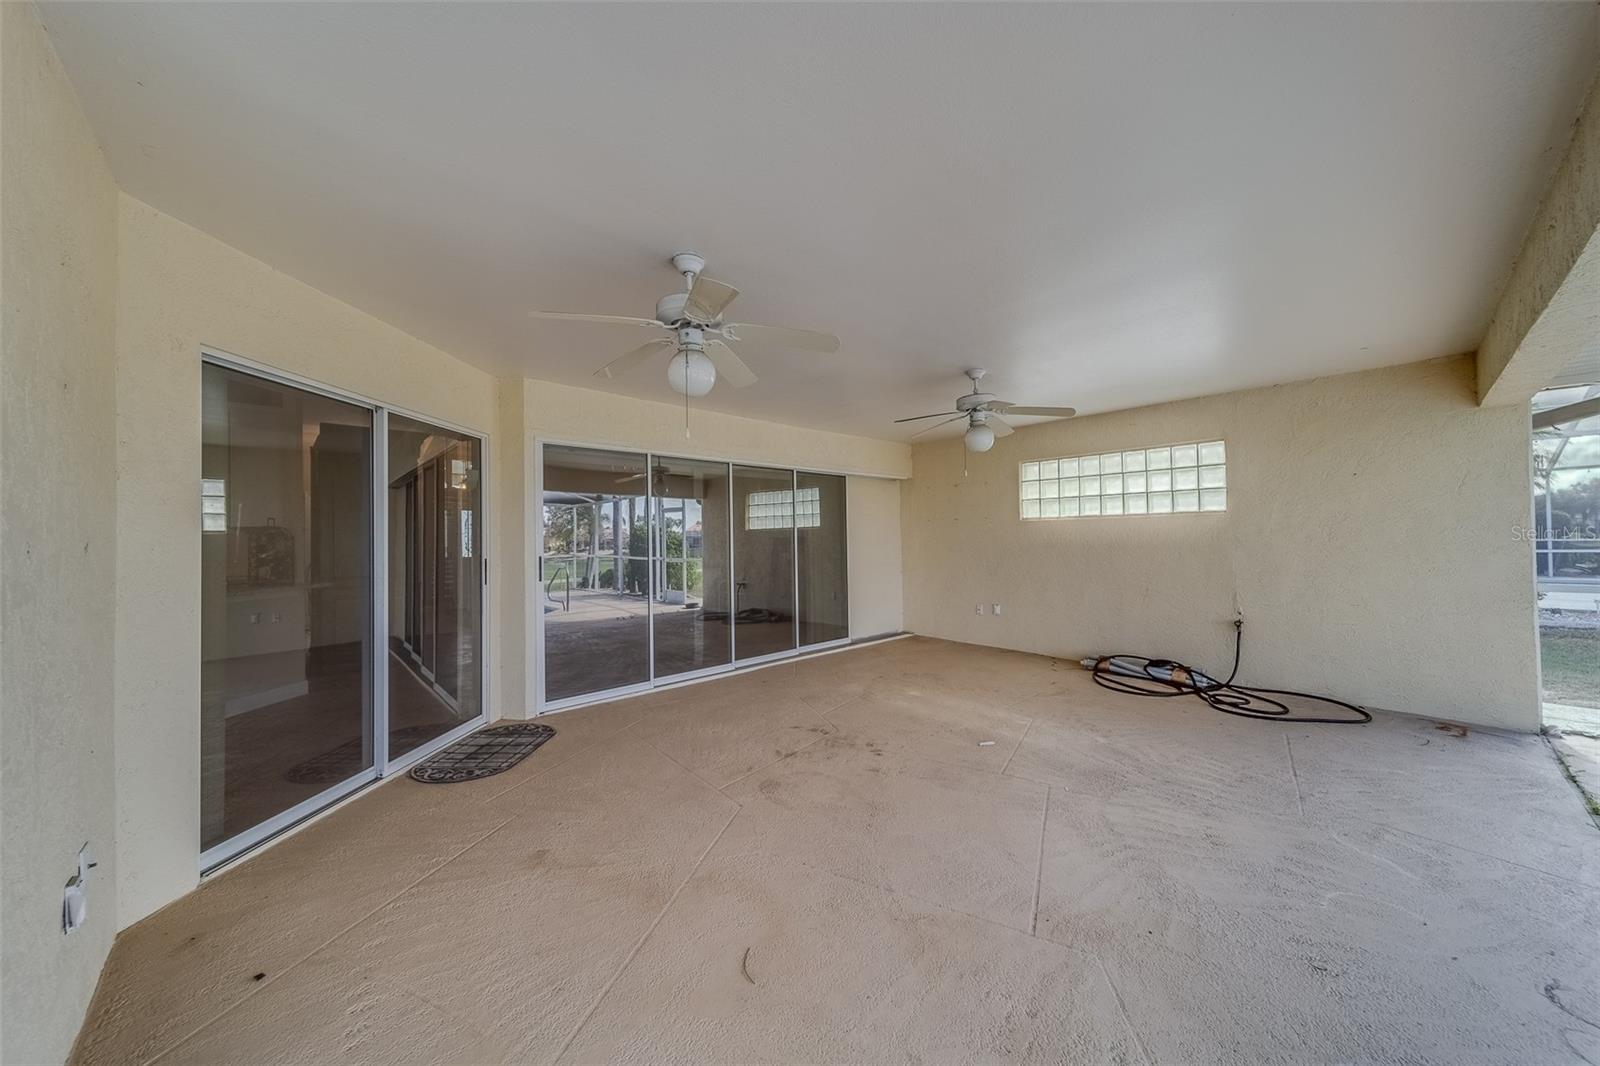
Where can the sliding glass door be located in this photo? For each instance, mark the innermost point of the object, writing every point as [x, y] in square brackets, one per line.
[435, 641]
[763, 561]
[655, 568]
[691, 608]
[316, 511]
[286, 591]
[823, 567]
[594, 573]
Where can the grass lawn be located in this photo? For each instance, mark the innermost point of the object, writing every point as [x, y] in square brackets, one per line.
[1571, 662]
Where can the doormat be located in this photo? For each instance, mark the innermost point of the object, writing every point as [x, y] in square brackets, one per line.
[350, 758]
[483, 754]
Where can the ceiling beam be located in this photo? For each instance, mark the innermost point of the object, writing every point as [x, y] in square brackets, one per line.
[1549, 313]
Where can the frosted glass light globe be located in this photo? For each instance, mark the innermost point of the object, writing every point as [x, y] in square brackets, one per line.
[980, 439]
[691, 374]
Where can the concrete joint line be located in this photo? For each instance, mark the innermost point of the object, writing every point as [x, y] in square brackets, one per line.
[270, 978]
[1038, 878]
[1480, 854]
[737, 805]
[1127, 1019]
[639, 944]
[775, 762]
[837, 707]
[1299, 799]
[1016, 748]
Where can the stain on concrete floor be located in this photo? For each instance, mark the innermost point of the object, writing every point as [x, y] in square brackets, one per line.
[819, 862]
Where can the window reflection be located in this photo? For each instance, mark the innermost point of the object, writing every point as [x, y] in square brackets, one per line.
[285, 583]
[824, 583]
[693, 623]
[763, 563]
[436, 583]
[594, 573]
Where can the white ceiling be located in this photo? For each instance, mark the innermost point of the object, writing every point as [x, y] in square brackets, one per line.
[1106, 206]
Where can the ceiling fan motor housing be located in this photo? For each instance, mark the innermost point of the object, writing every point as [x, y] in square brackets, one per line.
[669, 309]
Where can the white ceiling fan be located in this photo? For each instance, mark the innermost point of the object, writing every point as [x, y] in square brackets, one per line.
[699, 336]
[982, 410]
[657, 476]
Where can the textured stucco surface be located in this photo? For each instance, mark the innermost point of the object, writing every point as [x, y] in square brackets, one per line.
[58, 239]
[515, 595]
[1550, 309]
[181, 290]
[588, 416]
[1371, 540]
[877, 595]
[824, 861]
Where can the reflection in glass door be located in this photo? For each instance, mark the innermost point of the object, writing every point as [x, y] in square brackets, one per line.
[691, 613]
[435, 636]
[594, 573]
[656, 569]
[763, 561]
[820, 530]
[286, 710]
[315, 512]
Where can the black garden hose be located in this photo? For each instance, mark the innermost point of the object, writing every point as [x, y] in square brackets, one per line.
[1164, 678]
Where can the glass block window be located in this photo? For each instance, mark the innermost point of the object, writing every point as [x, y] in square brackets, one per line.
[783, 508]
[213, 505]
[1171, 479]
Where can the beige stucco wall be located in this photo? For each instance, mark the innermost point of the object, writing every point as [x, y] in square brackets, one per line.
[58, 239]
[181, 290]
[1372, 542]
[589, 416]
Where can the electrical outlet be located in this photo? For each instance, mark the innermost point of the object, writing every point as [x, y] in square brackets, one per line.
[996, 608]
[978, 609]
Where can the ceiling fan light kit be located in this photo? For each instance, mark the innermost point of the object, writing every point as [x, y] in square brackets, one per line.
[982, 411]
[690, 373]
[699, 336]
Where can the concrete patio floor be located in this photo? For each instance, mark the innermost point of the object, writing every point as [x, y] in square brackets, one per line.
[828, 861]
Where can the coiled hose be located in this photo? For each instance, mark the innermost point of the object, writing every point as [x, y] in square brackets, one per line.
[1164, 678]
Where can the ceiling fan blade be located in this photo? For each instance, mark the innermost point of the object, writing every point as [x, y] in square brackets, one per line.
[805, 340]
[1038, 412]
[624, 363]
[936, 425]
[999, 425]
[936, 414]
[729, 365]
[708, 298]
[625, 480]
[615, 320]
